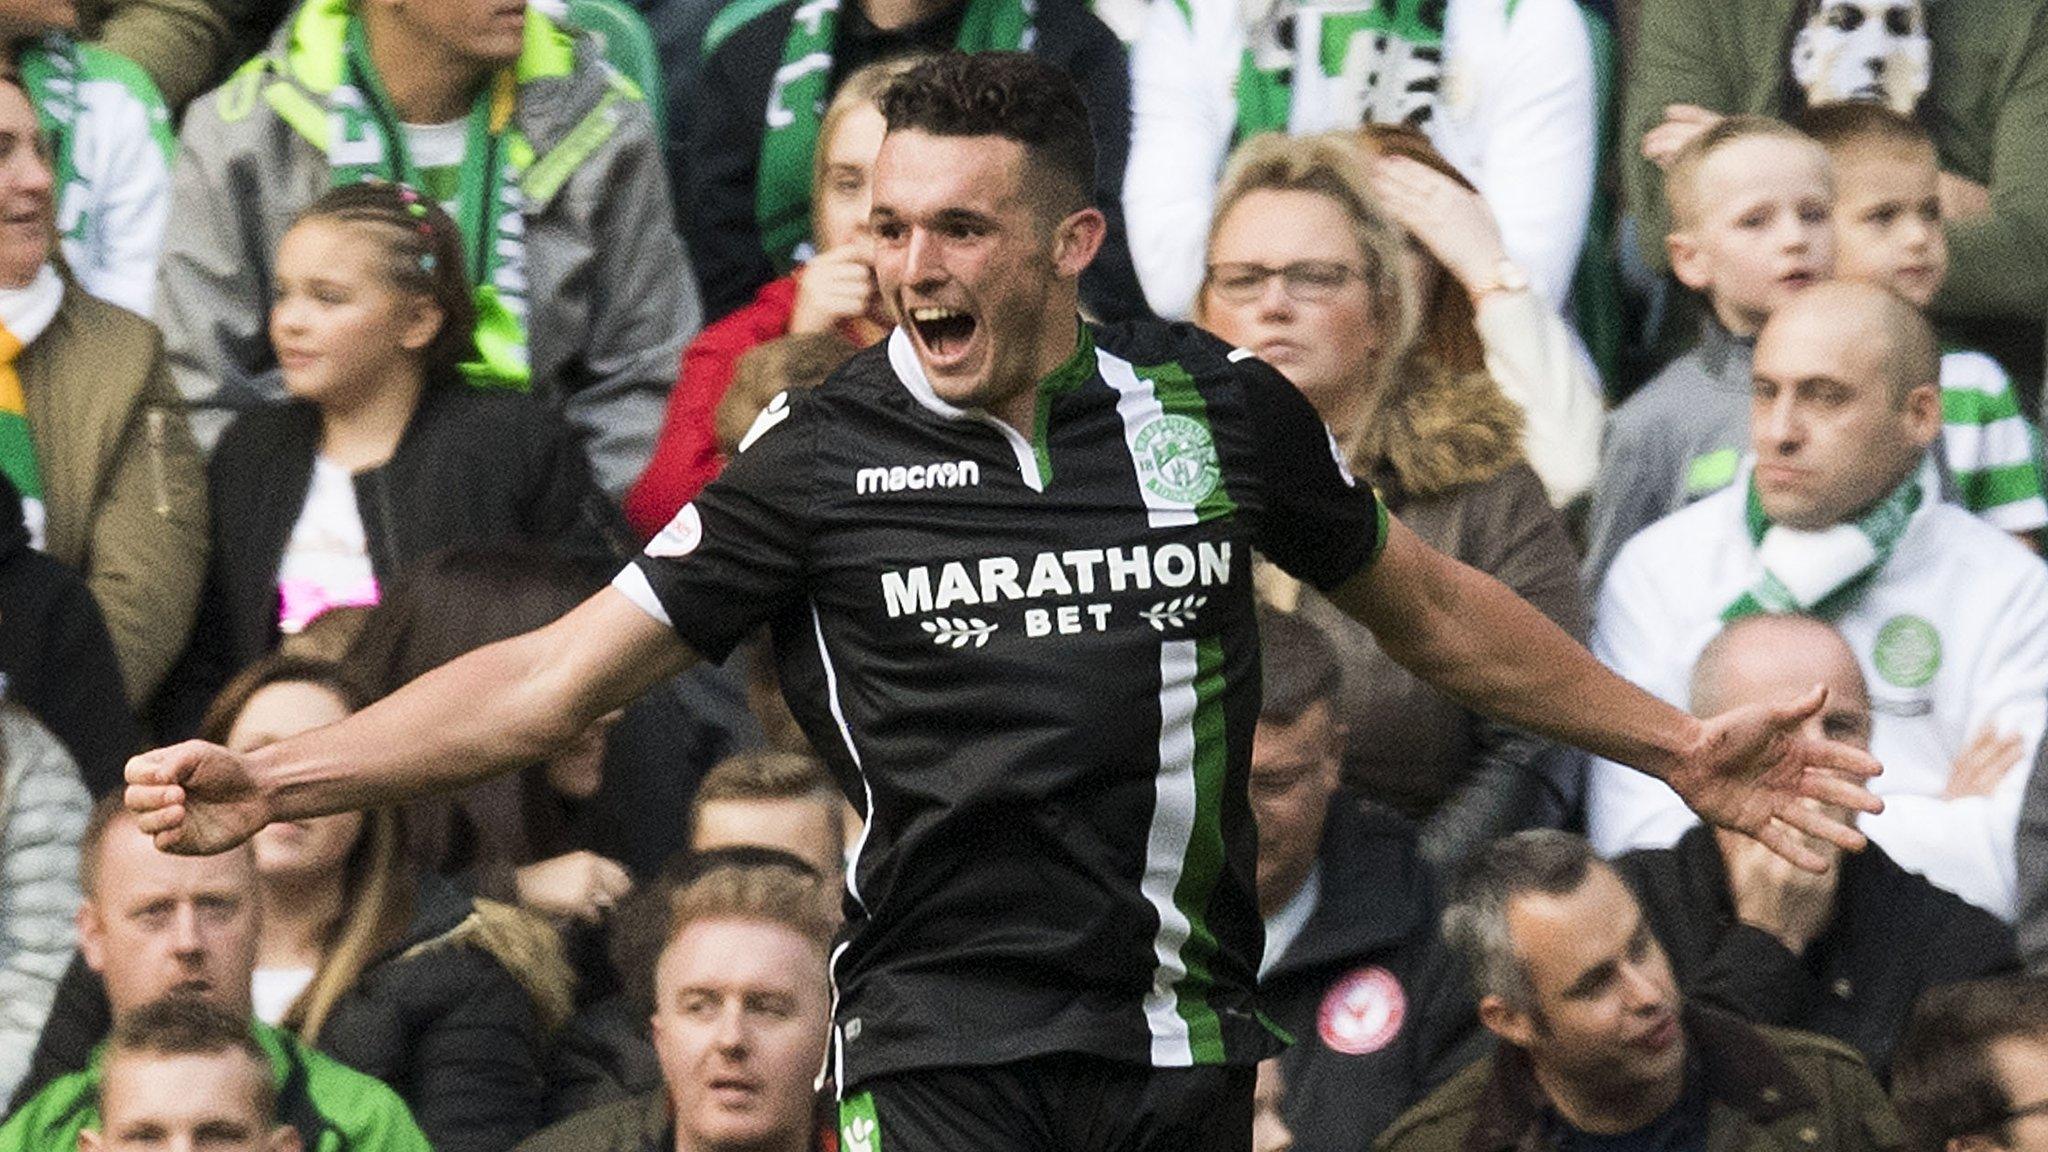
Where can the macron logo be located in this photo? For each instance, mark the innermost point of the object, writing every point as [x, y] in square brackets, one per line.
[917, 477]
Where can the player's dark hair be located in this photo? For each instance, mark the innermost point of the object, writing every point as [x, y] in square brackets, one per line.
[1299, 666]
[1014, 95]
[1943, 1082]
[188, 1026]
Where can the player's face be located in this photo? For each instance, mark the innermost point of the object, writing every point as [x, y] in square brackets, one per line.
[1317, 323]
[1888, 220]
[740, 1024]
[1763, 232]
[1294, 771]
[1874, 50]
[163, 925]
[27, 226]
[1829, 441]
[970, 265]
[185, 1103]
[1606, 1004]
[295, 851]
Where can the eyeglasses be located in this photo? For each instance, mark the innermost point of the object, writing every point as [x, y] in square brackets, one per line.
[1303, 280]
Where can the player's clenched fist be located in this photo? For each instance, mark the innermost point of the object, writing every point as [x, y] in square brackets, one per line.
[195, 798]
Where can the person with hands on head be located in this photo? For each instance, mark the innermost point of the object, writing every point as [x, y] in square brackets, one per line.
[826, 309]
[1527, 347]
[1844, 952]
[992, 941]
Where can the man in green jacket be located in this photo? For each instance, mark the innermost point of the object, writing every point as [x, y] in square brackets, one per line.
[156, 926]
[1977, 72]
[1597, 1049]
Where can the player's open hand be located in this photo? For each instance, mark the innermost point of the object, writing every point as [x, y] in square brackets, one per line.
[195, 798]
[1752, 766]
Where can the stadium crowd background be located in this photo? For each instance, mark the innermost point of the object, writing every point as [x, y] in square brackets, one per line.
[340, 338]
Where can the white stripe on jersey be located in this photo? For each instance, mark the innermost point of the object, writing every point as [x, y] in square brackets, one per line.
[1137, 404]
[1166, 849]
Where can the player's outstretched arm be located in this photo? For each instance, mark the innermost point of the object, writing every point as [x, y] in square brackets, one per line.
[1465, 632]
[499, 707]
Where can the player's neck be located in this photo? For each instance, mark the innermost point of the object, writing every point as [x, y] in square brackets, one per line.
[1057, 341]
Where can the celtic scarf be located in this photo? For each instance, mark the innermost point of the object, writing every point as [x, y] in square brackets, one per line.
[366, 141]
[1820, 573]
[796, 104]
[1316, 67]
[24, 313]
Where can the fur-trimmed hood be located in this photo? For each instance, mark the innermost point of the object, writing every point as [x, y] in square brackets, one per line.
[525, 945]
[1431, 431]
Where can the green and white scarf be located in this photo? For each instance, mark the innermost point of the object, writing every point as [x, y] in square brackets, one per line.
[24, 314]
[796, 105]
[1821, 573]
[54, 68]
[1311, 67]
[366, 141]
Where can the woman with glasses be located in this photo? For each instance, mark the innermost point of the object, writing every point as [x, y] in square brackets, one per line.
[1308, 271]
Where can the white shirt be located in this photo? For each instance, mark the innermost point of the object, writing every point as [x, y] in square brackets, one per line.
[327, 559]
[272, 991]
[1286, 924]
[1952, 635]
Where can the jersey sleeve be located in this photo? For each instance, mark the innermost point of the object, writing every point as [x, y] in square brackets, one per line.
[730, 559]
[1317, 522]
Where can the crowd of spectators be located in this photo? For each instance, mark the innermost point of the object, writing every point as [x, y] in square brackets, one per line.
[340, 338]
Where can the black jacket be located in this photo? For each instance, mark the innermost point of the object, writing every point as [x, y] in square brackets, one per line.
[1893, 936]
[440, 1017]
[725, 127]
[473, 467]
[1380, 1011]
[56, 657]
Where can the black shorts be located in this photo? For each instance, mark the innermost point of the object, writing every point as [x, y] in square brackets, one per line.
[1052, 1104]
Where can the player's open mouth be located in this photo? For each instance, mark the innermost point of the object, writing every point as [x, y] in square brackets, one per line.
[944, 332]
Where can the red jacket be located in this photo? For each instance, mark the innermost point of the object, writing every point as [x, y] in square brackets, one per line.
[686, 457]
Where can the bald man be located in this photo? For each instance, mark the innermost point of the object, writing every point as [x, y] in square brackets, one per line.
[1844, 953]
[1837, 514]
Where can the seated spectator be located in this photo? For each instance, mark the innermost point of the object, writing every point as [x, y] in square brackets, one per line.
[1750, 204]
[448, 1000]
[1597, 1047]
[1482, 314]
[43, 807]
[1305, 272]
[606, 1051]
[56, 660]
[1837, 518]
[156, 925]
[776, 800]
[183, 1073]
[1508, 93]
[1973, 73]
[90, 433]
[1354, 968]
[382, 455]
[1972, 1071]
[1888, 232]
[109, 136]
[825, 309]
[741, 997]
[510, 838]
[513, 122]
[1843, 953]
[770, 70]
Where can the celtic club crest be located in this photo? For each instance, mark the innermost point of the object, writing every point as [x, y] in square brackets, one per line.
[1177, 459]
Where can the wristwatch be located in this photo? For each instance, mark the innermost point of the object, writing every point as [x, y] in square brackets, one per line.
[1507, 277]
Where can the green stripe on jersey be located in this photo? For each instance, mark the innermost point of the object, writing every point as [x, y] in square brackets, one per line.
[860, 1130]
[1178, 396]
[1204, 861]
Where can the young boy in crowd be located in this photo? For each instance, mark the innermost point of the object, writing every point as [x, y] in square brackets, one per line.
[1888, 231]
[1750, 201]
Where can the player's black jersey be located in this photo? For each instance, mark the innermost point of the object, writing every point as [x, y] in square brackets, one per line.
[1034, 665]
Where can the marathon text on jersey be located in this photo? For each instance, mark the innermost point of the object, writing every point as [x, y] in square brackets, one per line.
[1075, 572]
